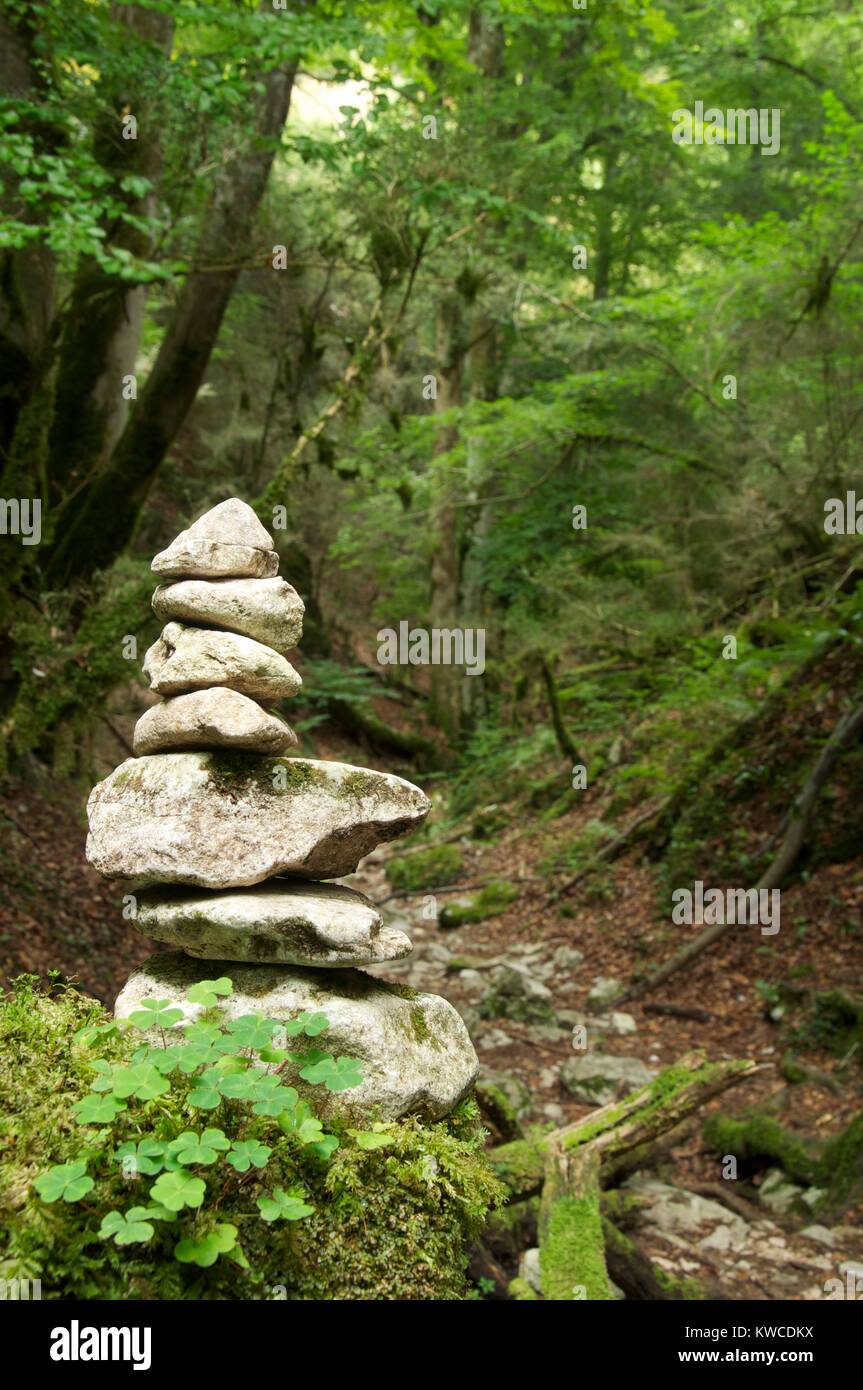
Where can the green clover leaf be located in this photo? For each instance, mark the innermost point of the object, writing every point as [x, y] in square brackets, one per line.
[336, 1075]
[374, 1138]
[91, 1033]
[283, 1206]
[197, 1055]
[204, 1093]
[252, 1031]
[143, 1081]
[148, 1155]
[246, 1152]
[326, 1146]
[156, 1013]
[178, 1189]
[271, 1097]
[300, 1124]
[240, 1085]
[194, 1148]
[97, 1110]
[206, 992]
[164, 1059]
[153, 1212]
[310, 1024]
[127, 1228]
[310, 1058]
[203, 1032]
[205, 1250]
[104, 1077]
[66, 1180]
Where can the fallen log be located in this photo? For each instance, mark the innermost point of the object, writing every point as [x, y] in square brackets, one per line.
[607, 852]
[568, 1166]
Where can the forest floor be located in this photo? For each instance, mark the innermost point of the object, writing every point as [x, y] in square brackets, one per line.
[56, 913]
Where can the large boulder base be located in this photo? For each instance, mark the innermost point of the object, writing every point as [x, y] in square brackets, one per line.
[315, 924]
[414, 1050]
[269, 610]
[227, 820]
[184, 658]
[216, 718]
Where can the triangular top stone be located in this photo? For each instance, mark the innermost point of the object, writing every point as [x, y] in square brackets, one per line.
[232, 522]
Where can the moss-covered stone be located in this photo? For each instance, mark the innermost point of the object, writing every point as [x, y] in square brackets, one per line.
[493, 898]
[426, 868]
[388, 1224]
[835, 1166]
[503, 1101]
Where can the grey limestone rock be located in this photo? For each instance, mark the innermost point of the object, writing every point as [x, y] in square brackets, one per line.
[269, 610]
[185, 658]
[227, 820]
[215, 718]
[281, 921]
[413, 1049]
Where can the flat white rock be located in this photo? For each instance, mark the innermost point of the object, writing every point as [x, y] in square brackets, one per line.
[216, 718]
[414, 1050]
[270, 610]
[196, 658]
[282, 921]
[203, 559]
[227, 820]
[227, 540]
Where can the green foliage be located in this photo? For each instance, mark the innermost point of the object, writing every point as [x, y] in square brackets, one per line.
[325, 1215]
[66, 677]
[425, 868]
[157, 1071]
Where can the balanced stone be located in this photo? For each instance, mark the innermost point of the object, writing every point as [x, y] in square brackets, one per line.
[215, 718]
[282, 921]
[227, 820]
[227, 540]
[196, 658]
[414, 1051]
[270, 610]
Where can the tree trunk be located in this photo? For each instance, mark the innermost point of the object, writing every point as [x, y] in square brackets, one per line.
[26, 283]
[482, 370]
[99, 522]
[445, 698]
[486, 49]
[105, 315]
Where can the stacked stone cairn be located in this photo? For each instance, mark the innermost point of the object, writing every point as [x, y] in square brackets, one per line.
[229, 842]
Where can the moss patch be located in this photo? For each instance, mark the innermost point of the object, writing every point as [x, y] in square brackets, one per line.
[427, 868]
[388, 1224]
[571, 1257]
[492, 899]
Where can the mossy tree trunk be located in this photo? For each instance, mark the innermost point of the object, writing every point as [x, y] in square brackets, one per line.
[445, 697]
[118, 492]
[104, 317]
[570, 1165]
[26, 277]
